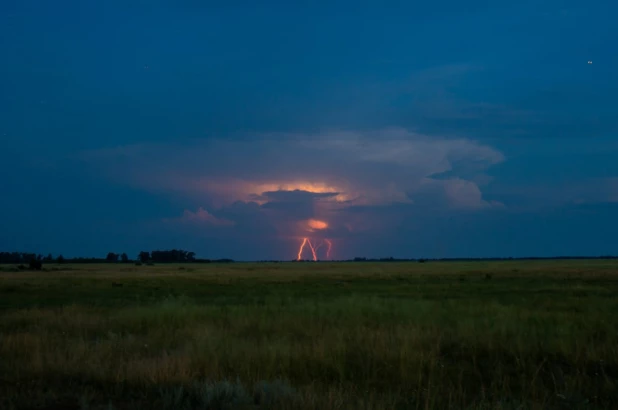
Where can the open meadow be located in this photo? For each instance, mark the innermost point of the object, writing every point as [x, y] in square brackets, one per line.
[436, 335]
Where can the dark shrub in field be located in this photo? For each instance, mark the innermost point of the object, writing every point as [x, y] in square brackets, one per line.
[35, 264]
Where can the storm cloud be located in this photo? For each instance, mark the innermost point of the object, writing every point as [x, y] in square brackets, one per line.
[239, 131]
[353, 182]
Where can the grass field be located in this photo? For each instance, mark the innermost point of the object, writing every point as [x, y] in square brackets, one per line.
[443, 335]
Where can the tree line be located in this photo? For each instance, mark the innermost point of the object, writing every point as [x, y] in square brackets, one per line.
[156, 256]
[35, 261]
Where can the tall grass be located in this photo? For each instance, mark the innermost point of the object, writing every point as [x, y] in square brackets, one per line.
[369, 345]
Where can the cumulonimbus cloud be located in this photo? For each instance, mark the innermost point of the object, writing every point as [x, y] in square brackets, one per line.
[201, 216]
[296, 177]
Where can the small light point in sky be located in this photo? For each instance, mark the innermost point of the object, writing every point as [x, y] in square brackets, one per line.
[589, 62]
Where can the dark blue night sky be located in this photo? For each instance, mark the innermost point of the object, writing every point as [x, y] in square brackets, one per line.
[238, 128]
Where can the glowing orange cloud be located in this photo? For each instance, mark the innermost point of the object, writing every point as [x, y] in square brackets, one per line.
[229, 190]
[315, 224]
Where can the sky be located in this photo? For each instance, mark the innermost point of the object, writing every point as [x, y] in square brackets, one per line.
[239, 129]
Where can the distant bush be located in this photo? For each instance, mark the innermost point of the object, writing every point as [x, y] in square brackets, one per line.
[35, 264]
[138, 263]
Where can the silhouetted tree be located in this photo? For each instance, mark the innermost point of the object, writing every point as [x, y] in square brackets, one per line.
[124, 258]
[60, 259]
[11, 257]
[143, 256]
[49, 258]
[112, 257]
[174, 255]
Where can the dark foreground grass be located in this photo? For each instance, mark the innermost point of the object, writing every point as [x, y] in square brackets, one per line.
[500, 335]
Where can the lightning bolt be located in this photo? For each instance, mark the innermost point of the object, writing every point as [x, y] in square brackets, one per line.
[314, 249]
[302, 246]
[319, 246]
[315, 256]
[330, 246]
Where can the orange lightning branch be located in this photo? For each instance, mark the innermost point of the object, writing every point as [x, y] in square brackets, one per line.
[330, 246]
[302, 246]
[314, 249]
[315, 256]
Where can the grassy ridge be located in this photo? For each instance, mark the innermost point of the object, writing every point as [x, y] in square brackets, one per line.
[505, 335]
